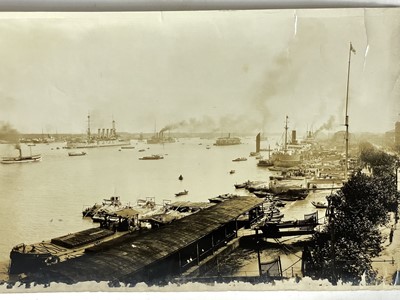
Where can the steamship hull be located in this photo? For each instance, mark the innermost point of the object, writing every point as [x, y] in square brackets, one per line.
[30, 258]
[286, 160]
[21, 159]
[227, 141]
[160, 141]
[98, 144]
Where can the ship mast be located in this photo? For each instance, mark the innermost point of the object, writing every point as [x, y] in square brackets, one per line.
[88, 129]
[346, 121]
[286, 128]
[114, 132]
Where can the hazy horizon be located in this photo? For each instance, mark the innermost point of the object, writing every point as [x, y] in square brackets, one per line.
[214, 71]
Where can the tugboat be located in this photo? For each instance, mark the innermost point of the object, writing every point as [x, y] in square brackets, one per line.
[20, 158]
[160, 138]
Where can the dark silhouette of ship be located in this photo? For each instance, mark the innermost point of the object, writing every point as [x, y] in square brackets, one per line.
[160, 138]
[227, 141]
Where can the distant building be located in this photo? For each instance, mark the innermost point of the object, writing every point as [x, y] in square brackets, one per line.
[397, 136]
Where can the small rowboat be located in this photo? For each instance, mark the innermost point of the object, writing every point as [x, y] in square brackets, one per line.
[319, 204]
[185, 192]
[76, 153]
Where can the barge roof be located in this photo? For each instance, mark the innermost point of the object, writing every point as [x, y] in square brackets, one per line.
[136, 251]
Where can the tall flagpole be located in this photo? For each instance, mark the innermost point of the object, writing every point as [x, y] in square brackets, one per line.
[346, 121]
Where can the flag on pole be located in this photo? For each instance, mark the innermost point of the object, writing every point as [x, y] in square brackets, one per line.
[352, 49]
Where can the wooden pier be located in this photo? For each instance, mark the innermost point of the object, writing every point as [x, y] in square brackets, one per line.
[161, 253]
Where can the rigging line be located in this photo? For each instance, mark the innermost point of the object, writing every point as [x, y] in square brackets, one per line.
[286, 248]
[291, 265]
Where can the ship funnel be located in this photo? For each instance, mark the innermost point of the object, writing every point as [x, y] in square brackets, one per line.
[258, 139]
[108, 132]
[294, 141]
[98, 132]
[102, 132]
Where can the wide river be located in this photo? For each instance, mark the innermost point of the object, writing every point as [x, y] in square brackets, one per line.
[45, 199]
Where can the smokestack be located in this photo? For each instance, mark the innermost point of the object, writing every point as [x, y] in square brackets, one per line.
[18, 147]
[108, 132]
[258, 139]
[294, 141]
[102, 133]
[98, 132]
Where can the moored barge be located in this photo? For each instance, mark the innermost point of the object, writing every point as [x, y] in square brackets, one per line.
[25, 258]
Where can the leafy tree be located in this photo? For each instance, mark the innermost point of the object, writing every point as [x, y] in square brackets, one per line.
[345, 247]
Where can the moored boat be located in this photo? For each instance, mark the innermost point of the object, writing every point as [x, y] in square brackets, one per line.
[152, 157]
[240, 159]
[221, 198]
[82, 153]
[278, 229]
[243, 185]
[319, 204]
[265, 163]
[185, 192]
[27, 258]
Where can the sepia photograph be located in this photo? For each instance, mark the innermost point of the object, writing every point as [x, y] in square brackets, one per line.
[222, 150]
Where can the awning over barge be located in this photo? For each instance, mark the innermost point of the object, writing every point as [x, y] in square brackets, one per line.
[140, 250]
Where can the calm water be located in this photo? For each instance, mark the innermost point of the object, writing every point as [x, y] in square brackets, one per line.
[44, 200]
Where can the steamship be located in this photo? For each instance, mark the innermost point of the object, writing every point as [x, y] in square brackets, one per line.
[159, 138]
[287, 158]
[21, 158]
[104, 138]
[227, 141]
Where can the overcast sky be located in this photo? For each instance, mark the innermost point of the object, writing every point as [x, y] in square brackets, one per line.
[221, 71]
